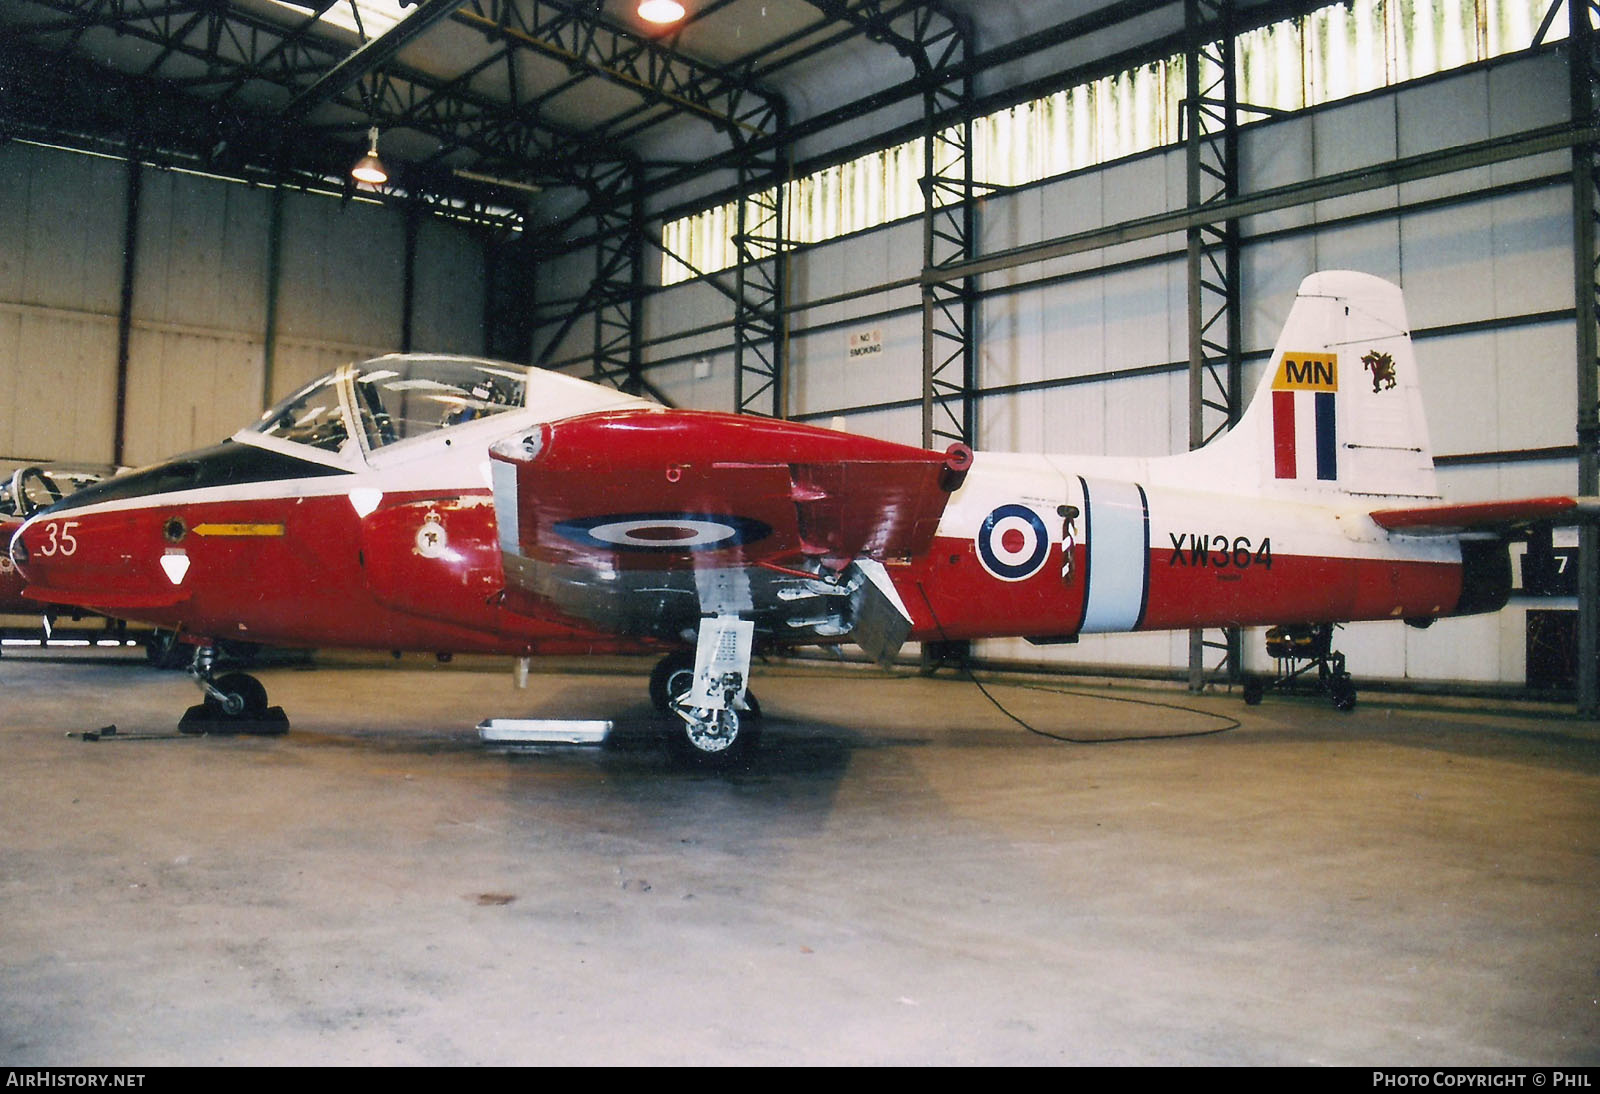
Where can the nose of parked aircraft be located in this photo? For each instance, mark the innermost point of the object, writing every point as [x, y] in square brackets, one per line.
[101, 561]
[12, 546]
[33, 547]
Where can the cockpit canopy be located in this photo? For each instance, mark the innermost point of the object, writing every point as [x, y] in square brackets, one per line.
[392, 399]
[29, 489]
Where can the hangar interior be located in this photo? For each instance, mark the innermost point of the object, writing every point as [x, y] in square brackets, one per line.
[574, 189]
[1019, 224]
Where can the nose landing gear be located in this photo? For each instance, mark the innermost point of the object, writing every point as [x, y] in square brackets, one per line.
[234, 702]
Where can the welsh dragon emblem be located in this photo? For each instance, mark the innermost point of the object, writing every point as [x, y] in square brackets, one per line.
[1381, 365]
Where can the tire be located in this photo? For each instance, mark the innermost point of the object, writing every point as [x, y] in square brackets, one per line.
[247, 688]
[736, 754]
[1343, 692]
[1253, 691]
[671, 678]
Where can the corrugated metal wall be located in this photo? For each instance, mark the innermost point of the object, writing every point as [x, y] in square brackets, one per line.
[61, 229]
[196, 365]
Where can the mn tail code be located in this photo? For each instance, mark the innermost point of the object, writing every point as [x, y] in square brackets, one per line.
[1307, 372]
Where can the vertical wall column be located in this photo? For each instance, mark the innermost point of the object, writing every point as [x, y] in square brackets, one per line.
[615, 298]
[949, 232]
[949, 304]
[408, 277]
[269, 336]
[937, 41]
[1211, 117]
[619, 315]
[761, 288]
[130, 250]
[1584, 69]
[510, 270]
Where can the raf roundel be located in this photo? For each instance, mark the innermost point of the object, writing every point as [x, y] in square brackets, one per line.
[664, 531]
[1013, 543]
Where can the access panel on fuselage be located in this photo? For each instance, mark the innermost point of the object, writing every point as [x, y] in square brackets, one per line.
[1026, 550]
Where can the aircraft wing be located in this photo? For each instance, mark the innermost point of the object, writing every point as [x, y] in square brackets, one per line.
[1494, 517]
[643, 520]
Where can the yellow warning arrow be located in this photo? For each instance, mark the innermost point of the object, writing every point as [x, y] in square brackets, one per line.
[238, 529]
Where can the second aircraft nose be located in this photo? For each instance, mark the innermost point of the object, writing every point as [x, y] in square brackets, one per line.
[37, 545]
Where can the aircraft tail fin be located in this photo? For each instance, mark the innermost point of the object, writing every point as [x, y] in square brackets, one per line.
[1339, 410]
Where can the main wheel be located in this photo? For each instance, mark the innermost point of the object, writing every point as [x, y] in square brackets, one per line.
[722, 741]
[1343, 692]
[1253, 690]
[719, 743]
[671, 678]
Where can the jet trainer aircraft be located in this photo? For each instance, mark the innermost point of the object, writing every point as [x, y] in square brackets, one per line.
[454, 504]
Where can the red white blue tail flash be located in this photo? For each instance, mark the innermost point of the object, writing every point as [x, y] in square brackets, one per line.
[1305, 429]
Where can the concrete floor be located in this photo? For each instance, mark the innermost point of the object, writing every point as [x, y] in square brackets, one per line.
[904, 876]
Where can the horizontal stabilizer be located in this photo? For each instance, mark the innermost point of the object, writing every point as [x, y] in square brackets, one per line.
[1486, 516]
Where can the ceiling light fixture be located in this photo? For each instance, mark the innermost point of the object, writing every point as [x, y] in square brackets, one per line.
[660, 11]
[369, 168]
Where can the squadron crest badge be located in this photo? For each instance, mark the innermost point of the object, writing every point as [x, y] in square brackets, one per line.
[1381, 365]
[432, 540]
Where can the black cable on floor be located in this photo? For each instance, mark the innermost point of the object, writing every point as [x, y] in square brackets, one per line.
[1232, 723]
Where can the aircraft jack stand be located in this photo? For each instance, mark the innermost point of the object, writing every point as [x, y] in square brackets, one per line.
[235, 703]
[1298, 650]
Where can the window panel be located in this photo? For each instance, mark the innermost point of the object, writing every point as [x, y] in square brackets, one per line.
[1334, 52]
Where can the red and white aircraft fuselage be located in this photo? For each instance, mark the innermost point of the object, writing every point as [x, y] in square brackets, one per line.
[453, 504]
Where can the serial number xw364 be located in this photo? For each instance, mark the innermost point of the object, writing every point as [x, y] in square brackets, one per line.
[1219, 551]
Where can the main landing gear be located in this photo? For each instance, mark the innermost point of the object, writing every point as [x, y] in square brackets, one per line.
[708, 692]
[1298, 651]
[235, 702]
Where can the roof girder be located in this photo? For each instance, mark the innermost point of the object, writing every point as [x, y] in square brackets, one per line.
[260, 49]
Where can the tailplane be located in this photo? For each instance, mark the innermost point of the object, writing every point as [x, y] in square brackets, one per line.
[1339, 410]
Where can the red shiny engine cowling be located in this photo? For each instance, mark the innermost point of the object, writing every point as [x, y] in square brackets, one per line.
[804, 491]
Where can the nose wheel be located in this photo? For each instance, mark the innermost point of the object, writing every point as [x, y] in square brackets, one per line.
[234, 702]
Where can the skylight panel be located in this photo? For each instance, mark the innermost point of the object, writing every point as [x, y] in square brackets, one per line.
[377, 16]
